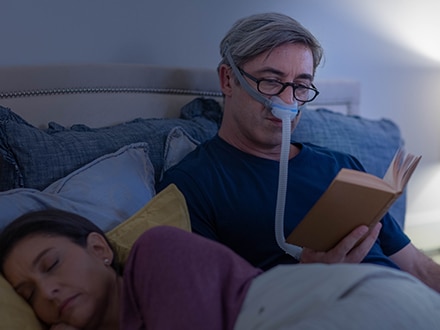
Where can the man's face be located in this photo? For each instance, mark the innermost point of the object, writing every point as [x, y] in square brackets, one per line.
[247, 122]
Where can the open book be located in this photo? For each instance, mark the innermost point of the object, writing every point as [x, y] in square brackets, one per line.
[353, 198]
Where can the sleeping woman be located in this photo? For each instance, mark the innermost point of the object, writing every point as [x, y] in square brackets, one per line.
[65, 268]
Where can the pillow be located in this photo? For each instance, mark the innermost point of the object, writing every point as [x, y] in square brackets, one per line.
[7, 174]
[168, 207]
[372, 142]
[107, 191]
[34, 158]
[15, 313]
[177, 145]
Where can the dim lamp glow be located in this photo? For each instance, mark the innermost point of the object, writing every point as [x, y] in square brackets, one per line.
[423, 195]
[413, 24]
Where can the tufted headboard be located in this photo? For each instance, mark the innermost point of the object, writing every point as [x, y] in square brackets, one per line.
[119, 92]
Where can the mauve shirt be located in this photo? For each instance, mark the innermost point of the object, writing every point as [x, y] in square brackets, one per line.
[179, 280]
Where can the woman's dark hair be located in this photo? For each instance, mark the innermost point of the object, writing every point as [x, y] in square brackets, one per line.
[52, 222]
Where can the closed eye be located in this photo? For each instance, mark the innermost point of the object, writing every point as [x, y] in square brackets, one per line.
[52, 266]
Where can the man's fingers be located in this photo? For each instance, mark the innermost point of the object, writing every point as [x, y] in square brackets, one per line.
[360, 251]
[349, 241]
[349, 250]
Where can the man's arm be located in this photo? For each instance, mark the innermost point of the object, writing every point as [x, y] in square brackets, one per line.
[415, 262]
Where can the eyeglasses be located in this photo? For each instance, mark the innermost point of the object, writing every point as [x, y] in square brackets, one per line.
[271, 87]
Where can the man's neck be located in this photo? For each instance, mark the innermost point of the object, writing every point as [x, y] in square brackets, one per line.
[272, 153]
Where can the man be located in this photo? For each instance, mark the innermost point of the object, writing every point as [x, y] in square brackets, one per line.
[230, 182]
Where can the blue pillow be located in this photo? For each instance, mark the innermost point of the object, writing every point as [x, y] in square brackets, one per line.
[107, 191]
[34, 158]
[372, 142]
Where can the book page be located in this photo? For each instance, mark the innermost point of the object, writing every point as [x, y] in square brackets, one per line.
[401, 168]
[363, 179]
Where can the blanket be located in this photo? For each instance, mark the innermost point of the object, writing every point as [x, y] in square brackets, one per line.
[338, 297]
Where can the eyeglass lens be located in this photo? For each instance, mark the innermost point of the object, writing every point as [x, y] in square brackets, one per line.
[271, 87]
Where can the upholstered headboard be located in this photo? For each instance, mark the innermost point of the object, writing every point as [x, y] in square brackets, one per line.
[119, 92]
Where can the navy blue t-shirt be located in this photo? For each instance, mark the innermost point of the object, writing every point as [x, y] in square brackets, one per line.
[232, 195]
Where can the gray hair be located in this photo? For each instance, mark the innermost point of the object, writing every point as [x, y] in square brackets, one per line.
[256, 34]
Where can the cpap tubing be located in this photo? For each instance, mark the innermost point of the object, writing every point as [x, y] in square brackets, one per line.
[286, 117]
[286, 112]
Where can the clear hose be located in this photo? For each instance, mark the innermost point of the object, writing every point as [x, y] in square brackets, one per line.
[286, 117]
[285, 112]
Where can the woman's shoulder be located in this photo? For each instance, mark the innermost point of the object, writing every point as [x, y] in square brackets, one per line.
[163, 234]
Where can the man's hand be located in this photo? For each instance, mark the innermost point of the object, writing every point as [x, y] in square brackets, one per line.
[346, 250]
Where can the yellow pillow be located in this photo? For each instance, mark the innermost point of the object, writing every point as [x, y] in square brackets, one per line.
[15, 313]
[166, 208]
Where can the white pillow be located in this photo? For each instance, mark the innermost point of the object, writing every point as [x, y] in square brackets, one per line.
[107, 191]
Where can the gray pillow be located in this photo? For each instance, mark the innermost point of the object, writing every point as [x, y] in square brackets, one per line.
[34, 158]
[107, 190]
[178, 144]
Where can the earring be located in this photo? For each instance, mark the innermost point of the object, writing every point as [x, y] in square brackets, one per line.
[106, 261]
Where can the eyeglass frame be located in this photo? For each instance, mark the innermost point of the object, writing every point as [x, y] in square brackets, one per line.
[284, 86]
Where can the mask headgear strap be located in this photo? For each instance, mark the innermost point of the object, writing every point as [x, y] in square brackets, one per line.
[252, 92]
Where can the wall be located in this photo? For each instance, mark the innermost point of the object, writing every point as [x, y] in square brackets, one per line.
[364, 40]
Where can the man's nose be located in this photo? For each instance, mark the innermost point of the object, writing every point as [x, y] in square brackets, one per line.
[288, 95]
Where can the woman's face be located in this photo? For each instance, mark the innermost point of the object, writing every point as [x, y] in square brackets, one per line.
[62, 281]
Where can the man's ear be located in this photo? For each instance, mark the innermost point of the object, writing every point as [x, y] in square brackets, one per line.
[97, 245]
[226, 79]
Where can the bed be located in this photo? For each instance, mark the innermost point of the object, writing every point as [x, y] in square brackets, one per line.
[94, 139]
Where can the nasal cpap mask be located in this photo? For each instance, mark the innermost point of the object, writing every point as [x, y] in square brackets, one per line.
[286, 112]
[278, 107]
